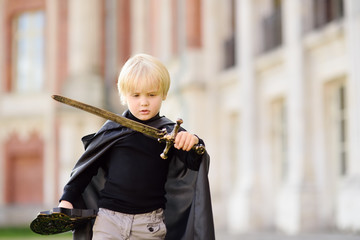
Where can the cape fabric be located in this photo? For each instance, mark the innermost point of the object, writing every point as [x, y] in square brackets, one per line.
[188, 212]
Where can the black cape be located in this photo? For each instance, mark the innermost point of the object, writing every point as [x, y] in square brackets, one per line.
[188, 212]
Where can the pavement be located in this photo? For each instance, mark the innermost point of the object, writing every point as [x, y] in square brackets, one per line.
[278, 236]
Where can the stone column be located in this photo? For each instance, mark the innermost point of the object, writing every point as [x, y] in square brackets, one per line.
[50, 158]
[165, 38]
[296, 203]
[349, 194]
[139, 21]
[84, 51]
[84, 81]
[112, 101]
[243, 202]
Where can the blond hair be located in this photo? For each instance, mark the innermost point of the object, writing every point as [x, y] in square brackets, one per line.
[141, 72]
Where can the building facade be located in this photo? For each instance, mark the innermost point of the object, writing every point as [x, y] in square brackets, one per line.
[271, 86]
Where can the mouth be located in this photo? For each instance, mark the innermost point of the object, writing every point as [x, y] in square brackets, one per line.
[144, 112]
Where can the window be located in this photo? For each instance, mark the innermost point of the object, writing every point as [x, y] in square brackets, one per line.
[337, 119]
[272, 27]
[279, 139]
[234, 140]
[326, 11]
[28, 52]
[342, 126]
[230, 42]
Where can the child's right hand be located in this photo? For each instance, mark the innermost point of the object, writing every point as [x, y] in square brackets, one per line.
[185, 141]
[65, 204]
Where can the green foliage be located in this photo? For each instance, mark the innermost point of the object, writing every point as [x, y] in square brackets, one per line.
[25, 232]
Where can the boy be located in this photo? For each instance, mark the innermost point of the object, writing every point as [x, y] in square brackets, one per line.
[133, 184]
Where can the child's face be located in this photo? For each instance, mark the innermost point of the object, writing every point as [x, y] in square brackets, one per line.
[145, 103]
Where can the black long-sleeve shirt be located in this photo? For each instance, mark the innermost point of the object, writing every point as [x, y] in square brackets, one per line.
[135, 174]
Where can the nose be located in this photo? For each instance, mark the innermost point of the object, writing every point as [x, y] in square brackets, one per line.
[144, 101]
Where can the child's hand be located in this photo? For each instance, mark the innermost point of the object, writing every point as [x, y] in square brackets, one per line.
[65, 204]
[185, 141]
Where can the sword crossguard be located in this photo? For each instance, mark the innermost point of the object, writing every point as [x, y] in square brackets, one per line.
[170, 139]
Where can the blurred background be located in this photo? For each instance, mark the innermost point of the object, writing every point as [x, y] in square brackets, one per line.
[272, 86]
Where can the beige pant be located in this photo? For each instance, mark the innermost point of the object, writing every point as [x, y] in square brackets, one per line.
[118, 226]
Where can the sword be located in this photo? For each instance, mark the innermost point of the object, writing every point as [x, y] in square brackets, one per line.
[161, 135]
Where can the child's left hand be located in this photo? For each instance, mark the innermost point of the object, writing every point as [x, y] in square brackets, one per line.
[185, 141]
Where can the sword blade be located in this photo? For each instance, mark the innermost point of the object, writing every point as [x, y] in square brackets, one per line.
[139, 127]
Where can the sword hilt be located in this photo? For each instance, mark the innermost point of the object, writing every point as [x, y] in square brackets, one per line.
[170, 138]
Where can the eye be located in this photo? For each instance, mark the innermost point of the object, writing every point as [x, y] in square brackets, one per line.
[135, 94]
[153, 94]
